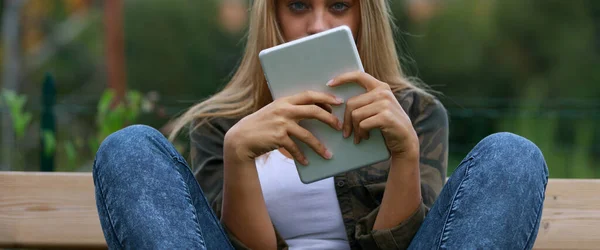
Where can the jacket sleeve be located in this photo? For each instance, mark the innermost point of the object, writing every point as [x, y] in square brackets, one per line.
[207, 165]
[430, 121]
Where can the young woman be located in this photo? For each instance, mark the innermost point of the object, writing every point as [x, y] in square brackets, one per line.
[244, 192]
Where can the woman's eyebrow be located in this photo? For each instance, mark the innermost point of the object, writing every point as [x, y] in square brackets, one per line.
[343, 1]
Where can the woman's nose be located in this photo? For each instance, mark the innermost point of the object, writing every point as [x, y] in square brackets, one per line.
[318, 24]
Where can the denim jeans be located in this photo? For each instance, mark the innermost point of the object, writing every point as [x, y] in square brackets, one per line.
[148, 198]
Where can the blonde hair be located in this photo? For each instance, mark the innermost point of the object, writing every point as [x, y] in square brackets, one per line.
[247, 91]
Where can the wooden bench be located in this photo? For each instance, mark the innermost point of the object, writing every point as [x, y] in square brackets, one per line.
[57, 210]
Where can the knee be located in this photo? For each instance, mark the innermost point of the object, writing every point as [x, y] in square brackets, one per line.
[126, 145]
[511, 157]
[128, 138]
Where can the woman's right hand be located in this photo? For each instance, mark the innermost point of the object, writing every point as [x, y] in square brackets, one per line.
[270, 127]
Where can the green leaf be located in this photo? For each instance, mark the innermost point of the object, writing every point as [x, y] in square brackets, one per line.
[20, 124]
[50, 142]
[15, 104]
[104, 104]
[112, 118]
[71, 152]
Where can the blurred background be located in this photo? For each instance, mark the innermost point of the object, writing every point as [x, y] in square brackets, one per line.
[74, 71]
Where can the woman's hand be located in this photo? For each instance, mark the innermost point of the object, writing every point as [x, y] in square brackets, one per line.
[378, 108]
[244, 210]
[270, 128]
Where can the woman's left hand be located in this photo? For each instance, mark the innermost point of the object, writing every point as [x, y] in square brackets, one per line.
[377, 108]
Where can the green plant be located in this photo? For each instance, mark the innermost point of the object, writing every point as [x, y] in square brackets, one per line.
[15, 104]
[111, 117]
[50, 144]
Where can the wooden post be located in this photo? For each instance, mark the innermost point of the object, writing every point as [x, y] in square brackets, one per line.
[114, 42]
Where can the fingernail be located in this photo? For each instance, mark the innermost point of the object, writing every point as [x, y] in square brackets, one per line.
[304, 161]
[339, 125]
[339, 100]
[328, 154]
[330, 82]
[346, 134]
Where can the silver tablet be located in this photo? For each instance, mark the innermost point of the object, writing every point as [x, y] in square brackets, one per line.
[308, 64]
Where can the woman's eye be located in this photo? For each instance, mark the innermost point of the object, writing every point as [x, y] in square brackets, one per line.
[339, 7]
[298, 6]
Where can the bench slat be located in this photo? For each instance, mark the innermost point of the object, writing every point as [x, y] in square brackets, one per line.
[571, 217]
[58, 210]
[48, 210]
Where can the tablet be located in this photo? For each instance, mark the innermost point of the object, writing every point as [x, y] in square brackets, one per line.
[308, 64]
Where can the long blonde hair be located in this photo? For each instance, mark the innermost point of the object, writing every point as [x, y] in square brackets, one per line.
[247, 91]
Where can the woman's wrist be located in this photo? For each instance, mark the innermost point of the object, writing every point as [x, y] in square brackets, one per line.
[232, 158]
[232, 152]
[405, 163]
[402, 190]
[409, 152]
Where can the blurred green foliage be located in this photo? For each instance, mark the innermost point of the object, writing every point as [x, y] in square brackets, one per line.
[112, 116]
[20, 117]
[527, 67]
[50, 142]
[178, 49]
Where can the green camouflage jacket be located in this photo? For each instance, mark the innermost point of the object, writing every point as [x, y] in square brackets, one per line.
[360, 191]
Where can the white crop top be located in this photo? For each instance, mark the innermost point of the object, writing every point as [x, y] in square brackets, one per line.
[307, 216]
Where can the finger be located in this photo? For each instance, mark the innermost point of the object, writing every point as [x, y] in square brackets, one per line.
[353, 104]
[313, 97]
[372, 122]
[363, 79]
[315, 112]
[326, 107]
[307, 137]
[360, 114]
[291, 147]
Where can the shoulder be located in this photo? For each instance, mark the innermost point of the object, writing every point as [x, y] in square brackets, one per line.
[211, 130]
[420, 105]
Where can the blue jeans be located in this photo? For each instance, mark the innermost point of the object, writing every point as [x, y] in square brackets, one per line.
[148, 198]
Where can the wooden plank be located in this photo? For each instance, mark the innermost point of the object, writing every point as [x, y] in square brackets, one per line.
[48, 210]
[58, 210]
[571, 216]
